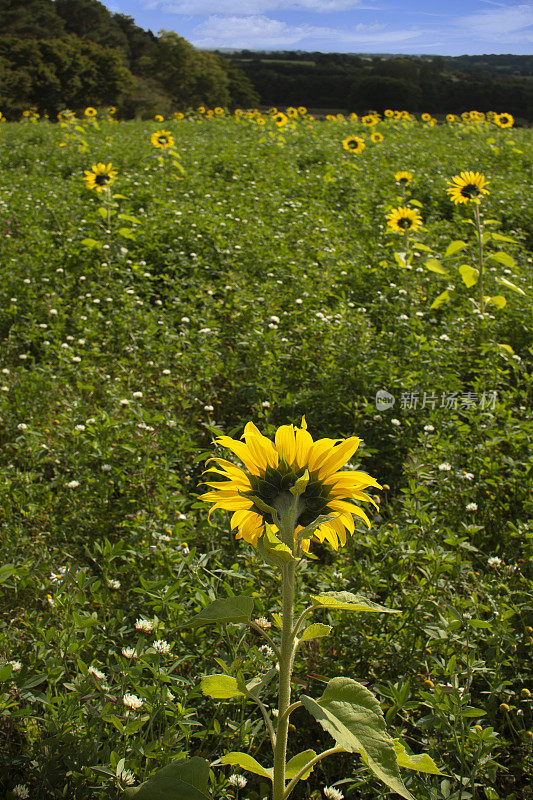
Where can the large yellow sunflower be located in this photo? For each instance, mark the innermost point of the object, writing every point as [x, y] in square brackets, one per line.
[90, 111]
[354, 144]
[404, 219]
[100, 176]
[280, 119]
[467, 187]
[162, 139]
[258, 492]
[504, 120]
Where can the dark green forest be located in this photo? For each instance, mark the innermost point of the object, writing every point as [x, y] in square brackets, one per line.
[74, 53]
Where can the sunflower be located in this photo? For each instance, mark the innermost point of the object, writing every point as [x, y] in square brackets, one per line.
[369, 120]
[100, 176]
[403, 177]
[302, 110]
[354, 144]
[258, 493]
[504, 120]
[90, 112]
[159, 118]
[376, 137]
[451, 118]
[112, 110]
[389, 112]
[425, 117]
[404, 219]
[353, 117]
[292, 112]
[219, 111]
[280, 119]
[467, 187]
[162, 139]
[178, 115]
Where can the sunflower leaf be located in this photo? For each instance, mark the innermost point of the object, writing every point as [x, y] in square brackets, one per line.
[261, 505]
[469, 275]
[247, 762]
[502, 258]
[346, 601]
[510, 285]
[353, 717]
[420, 763]
[455, 247]
[444, 297]
[297, 763]
[229, 609]
[308, 531]
[179, 780]
[300, 485]
[272, 549]
[315, 631]
[221, 687]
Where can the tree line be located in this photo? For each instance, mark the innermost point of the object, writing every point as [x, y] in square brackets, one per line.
[57, 54]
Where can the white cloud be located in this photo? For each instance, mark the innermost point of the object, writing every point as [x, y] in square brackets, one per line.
[258, 31]
[250, 7]
[500, 24]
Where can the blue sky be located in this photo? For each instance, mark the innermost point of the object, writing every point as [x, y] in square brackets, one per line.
[455, 27]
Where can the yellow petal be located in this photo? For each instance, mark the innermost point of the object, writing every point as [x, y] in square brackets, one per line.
[241, 451]
[286, 443]
[319, 452]
[304, 443]
[338, 458]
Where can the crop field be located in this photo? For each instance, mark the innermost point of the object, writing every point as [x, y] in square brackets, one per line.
[162, 285]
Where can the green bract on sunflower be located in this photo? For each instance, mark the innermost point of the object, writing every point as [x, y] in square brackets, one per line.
[162, 139]
[256, 492]
[100, 176]
[404, 219]
[468, 187]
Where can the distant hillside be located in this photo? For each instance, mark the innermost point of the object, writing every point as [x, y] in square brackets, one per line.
[437, 84]
[74, 53]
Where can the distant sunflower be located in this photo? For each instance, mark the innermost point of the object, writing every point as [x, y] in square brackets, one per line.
[467, 187]
[302, 110]
[353, 117]
[219, 111]
[90, 112]
[271, 470]
[178, 115]
[354, 144]
[403, 177]
[389, 112]
[159, 118]
[280, 119]
[292, 112]
[369, 120]
[504, 120]
[425, 117]
[451, 118]
[404, 219]
[100, 176]
[376, 137]
[162, 139]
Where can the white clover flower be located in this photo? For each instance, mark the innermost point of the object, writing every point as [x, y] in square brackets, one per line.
[76, 359]
[98, 674]
[182, 516]
[395, 421]
[333, 794]
[275, 319]
[299, 300]
[166, 372]
[429, 428]
[265, 404]
[403, 316]
[495, 562]
[106, 468]
[185, 319]
[126, 777]
[471, 507]
[22, 426]
[72, 484]
[16, 666]
[137, 395]
[124, 402]
[468, 476]
[79, 427]
[444, 337]
[263, 623]
[208, 408]
[113, 584]
[238, 781]
[21, 791]
[445, 467]
[132, 701]
[144, 625]
[265, 650]
[161, 646]
[53, 312]
[128, 652]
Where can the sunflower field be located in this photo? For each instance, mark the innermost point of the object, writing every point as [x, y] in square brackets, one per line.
[163, 285]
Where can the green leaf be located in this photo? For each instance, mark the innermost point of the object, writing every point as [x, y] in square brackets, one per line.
[506, 347]
[129, 218]
[416, 203]
[468, 274]
[498, 300]
[315, 631]
[455, 247]
[444, 297]
[501, 238]
[257, 684]
[231, 609]
[179, 780]
[300, 485]
[353, 716]
[221, 687]
[127, 233]
[422, 246]
[472, 713]
[502, 258]
[90, 243]
[435, 266]
[261, 505]
[272, 549]
[346, 601]
[510, 285]
[5, 672]
[102, 210]
[400, 259]
[421, 763]
[297, 763]
[248, 763]
[309, 530]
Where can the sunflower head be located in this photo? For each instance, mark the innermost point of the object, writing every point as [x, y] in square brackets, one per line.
[504, 120]
[100, 176]
[425, 117]
[370, 120]
[355, 144]
[90, 112]
[376, 137]
[280, 119]
[468, 187]
[292, 478]
[404, 219]
[162, 139]
[159, 118]
[403, 177]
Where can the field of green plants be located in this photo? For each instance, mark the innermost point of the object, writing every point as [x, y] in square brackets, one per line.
[247, 271]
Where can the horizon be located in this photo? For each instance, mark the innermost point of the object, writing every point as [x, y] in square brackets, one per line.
[356, 27]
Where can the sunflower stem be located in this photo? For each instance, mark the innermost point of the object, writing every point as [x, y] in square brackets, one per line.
[481, 259]
[285, 670]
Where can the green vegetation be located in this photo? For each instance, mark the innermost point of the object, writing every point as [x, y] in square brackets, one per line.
[246, 271]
